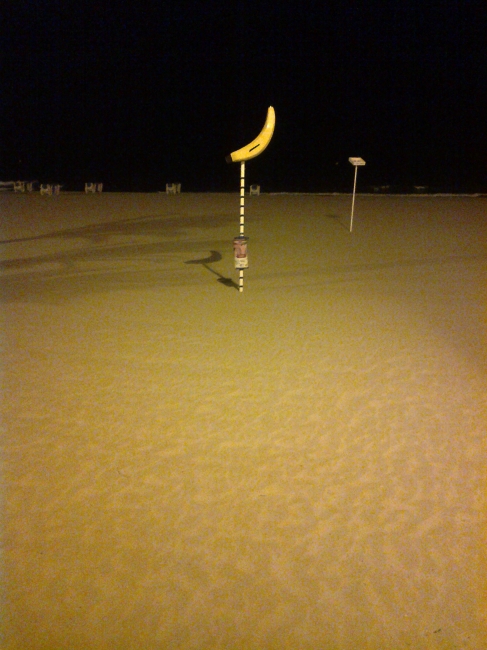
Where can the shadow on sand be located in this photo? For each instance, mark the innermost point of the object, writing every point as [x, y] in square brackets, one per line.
[338, 220]
[99, 268]
[158, 225]
[214, 257]
[102, 261]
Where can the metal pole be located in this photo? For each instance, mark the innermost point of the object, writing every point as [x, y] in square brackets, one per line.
[242, 216]
[353, 199]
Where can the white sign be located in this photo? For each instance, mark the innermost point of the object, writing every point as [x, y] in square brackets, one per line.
[357, 162]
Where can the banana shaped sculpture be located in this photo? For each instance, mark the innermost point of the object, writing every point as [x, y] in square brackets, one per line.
[258, 145]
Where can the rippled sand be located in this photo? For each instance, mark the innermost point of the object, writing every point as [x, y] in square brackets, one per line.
[298, 466]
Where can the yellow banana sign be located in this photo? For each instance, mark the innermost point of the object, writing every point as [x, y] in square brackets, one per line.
[258, 145]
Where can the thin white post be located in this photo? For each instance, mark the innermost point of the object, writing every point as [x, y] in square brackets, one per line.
[353, 197]
[356, 162]
[242, 217]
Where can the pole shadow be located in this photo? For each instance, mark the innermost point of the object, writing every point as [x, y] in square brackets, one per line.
[214, 257]
[338, 220]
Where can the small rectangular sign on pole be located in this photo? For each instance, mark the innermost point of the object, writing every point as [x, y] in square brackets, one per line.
[356, 162]
[240, 252]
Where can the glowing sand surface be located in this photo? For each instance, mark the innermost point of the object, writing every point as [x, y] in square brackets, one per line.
[298, 466]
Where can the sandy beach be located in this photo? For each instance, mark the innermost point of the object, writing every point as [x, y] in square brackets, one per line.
[300, 466]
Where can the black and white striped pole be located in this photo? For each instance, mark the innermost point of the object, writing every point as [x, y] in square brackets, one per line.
[242, 228]
[242, 197]
[240, 242]
[252, 150]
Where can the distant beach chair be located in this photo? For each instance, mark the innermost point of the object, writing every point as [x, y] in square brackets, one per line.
[254, 190]
[30, 186]
[56, 189]
[46, 189]
[19, 186]
[90, 188]
[173, 188]
[99, 187]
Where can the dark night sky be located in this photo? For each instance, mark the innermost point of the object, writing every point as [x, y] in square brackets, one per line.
[137, 94]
